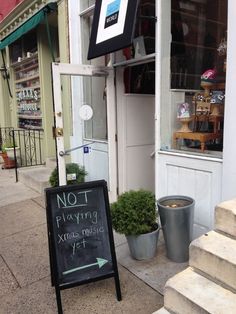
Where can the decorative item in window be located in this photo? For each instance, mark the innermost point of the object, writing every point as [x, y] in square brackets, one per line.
[208, 78]
[222, 51]
[202, 104]
[139, 47]
[217, 101]
[184, 116]
[183, 110]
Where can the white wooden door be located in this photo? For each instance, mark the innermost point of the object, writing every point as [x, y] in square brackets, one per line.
[136, 138]
[89, 142]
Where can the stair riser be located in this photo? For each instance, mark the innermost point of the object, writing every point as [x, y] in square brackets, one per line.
[179, 304]
[225, 217]
[189, 292]
[215, 267]
[162, 311]
[33, 184]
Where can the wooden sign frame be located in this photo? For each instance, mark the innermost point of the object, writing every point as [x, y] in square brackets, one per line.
[61, 216]
[113, 26]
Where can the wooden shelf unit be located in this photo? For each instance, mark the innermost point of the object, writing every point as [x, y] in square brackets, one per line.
[27, 90]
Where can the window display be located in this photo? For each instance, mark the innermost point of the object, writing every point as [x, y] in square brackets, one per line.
[27, 88]
[198, 68]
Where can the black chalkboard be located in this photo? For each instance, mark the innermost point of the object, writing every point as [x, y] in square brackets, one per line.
[81, 244]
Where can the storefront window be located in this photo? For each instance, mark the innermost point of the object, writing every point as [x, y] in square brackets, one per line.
[85, 4]
[22, 46]
[197, 29]
[140, 79]
[198, 70]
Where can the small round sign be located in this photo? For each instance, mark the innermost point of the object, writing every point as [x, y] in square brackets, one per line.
[85, 112]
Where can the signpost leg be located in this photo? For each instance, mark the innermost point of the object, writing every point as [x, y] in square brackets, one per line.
[118, 291]
[58, 296]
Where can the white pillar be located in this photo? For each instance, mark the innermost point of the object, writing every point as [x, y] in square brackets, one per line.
[229, 151]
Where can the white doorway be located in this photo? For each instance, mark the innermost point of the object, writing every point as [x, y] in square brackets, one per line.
[88, 138]
[136, 139]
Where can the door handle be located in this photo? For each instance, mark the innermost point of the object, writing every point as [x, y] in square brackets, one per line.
[67, 151]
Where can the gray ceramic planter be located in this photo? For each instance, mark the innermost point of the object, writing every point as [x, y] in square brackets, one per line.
[176, 215]
[143, 246]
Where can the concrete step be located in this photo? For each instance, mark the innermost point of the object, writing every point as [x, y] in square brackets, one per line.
[162, 311]
[37, 178]
[51, 163]
[225, 217]
[215, 255]
[189, 292]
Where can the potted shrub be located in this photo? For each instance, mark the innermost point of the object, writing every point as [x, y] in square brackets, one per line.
[71, 168]
[134, 214]
[8, 148]
[7, 154]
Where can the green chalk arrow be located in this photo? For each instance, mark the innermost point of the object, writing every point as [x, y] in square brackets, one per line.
[100, 263]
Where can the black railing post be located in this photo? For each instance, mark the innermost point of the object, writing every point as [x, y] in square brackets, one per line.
[15, 158]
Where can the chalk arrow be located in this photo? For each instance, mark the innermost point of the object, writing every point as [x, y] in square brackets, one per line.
[100, 263]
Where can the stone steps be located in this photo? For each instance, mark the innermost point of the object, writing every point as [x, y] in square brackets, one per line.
[36, 178]
[209, 284]
[162, 311]
[189, 292]
[215, 255]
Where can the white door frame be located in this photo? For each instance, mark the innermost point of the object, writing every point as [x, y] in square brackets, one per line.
[59, 69]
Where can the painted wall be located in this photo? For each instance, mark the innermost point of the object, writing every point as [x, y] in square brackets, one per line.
[7, 6]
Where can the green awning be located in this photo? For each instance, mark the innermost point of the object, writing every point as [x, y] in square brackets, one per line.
[27, 26]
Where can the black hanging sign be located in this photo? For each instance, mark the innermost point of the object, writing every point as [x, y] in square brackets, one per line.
[113, 26]
[81, 244]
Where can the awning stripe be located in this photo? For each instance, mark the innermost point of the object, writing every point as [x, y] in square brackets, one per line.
[26, 27]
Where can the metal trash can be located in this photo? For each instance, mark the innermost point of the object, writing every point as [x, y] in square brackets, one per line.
[176, 215]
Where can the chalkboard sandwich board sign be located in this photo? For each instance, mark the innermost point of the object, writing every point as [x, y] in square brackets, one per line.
[81, 244]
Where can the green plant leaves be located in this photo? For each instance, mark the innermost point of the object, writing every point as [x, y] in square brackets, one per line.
[70, 168]
[134, 212]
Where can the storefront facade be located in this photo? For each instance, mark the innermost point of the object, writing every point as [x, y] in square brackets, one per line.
[152, 124]
[26, 93]
[190, 39]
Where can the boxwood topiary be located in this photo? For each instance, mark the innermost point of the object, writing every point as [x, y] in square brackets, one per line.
[70, 168]
[134, 213]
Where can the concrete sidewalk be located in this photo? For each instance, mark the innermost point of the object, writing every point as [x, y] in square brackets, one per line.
[25, 285]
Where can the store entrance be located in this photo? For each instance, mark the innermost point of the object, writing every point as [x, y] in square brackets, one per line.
[136, 138]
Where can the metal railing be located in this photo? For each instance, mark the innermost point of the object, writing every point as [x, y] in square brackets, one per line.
[26, 145]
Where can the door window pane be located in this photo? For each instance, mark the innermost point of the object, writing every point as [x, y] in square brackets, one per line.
[95, 96]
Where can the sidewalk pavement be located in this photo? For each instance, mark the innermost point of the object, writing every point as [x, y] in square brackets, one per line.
[25, 286]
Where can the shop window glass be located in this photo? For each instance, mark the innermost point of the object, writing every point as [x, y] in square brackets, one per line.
[94, 91]
[26, 44]
[85, 4]
[140, 79]
[197, 29]
[198, 70]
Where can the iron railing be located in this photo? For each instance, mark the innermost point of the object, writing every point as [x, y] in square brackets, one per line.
[26, 145]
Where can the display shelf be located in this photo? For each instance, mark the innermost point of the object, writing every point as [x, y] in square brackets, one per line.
[29, 78]
[25, 116]
[27, 89]
[30, 87]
